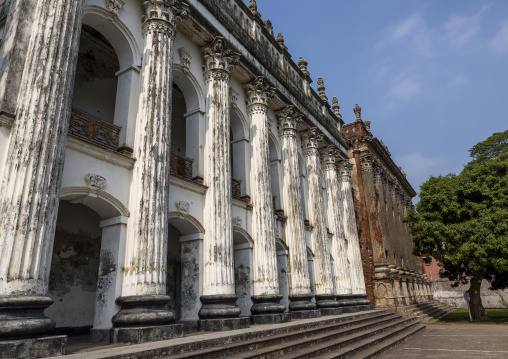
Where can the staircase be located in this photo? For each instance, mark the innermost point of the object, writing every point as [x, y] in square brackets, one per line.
[361, 335]
[428, 312]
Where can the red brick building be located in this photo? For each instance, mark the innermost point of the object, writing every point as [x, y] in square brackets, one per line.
[382, 197]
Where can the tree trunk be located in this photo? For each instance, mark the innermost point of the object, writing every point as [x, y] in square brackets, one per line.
[475, 303]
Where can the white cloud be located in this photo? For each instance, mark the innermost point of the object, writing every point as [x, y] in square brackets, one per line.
[412, 30]
[459, 80]
[461, 28]
[407, 27]
[500, 41]
[404, 87]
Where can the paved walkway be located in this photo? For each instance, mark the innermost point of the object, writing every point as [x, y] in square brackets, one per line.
[454, 341]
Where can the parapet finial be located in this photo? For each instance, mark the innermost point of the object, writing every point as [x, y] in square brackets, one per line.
[269, 26]
[336, 107]
[253, 7]
[358, 112]
[280, 40]
[302, 64]
[321, 89]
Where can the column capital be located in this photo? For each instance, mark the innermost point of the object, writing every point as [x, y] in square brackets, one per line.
[345, 168]
[162, 16]
[329, 158]
[366, 163]
[259, 92]
[219, 56]
[310, 141]
[288, 119]
[377, 171]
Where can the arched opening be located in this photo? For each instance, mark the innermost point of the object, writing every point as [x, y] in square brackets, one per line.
[74, 268]
[187, 131]
[185, 235]
[96, 82]
[242, 245]
[275, 174]
[239, 155]
[85, 264]
[282, 270]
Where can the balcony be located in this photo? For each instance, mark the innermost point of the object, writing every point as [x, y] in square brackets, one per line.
[91, 129]
[181, 166]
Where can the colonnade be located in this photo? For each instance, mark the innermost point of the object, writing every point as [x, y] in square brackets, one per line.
[31, 182]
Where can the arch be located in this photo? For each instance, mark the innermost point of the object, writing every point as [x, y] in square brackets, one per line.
[239, 126]
[274, 147]
[190, 87]
[280, 245]
[310, 253]
[240, 236]
[185, 223]
[116, 32]
[103, 203]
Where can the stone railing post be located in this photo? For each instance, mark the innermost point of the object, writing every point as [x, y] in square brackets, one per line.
[32, 175]
[300, 294]
[341, 271]
[358, 288]
[323, 280]
[219, 298]
[266, 298]
[144, 301]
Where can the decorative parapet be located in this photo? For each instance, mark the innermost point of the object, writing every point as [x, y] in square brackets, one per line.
[180, 166]
[93, 130]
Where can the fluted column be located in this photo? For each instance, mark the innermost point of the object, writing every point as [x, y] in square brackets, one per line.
[266, 285]
[341, 275]
[32, 175]
[299, 281]
[144, 285]
[351, 232]
[218, 279]
[323, 281]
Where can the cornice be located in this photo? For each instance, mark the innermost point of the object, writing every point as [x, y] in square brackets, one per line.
[100, 153]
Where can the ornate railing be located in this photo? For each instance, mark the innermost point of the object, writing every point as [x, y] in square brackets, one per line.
[94, 130]
[181, 166]
[236, 188]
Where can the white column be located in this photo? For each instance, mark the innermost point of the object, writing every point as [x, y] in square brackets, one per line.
[299, 283]
[32, 175]
[350, 230]
[323, 282]
[335, 213]
[144, 284]
[219, 281]
[266, 285]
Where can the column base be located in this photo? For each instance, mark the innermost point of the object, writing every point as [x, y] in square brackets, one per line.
[143, 311]
[23, 316]
[305, 314]
[270, 318]
[100, 335]
[219, 306]
[223, 324]
[267, 304]
[299, 302]
[137, 335]
[348, 303]
[42, 347]
[363, 303]
[331, 311]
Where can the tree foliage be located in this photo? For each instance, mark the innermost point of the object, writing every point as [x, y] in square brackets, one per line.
[462, 220]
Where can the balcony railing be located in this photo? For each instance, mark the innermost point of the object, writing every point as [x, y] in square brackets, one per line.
[181, 166]
[93, 130]
[236, 188]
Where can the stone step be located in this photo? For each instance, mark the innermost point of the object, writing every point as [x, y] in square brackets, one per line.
[300, 336]
[388, 343]
[349, 345]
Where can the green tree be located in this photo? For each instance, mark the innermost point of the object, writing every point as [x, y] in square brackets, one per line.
[463, 221]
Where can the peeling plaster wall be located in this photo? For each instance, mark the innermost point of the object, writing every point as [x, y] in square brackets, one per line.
[174, 270]
[191, 279]
[243, 280]
[75, 266]
[443, 291]
[282, 270]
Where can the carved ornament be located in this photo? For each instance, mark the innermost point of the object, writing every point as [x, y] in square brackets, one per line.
[182, 206]
[161, 16]
[358, 112]
[321, 88]
[302, 64]
[185, 59]
[288, 120]
[259, 92]
[345, 169]
[114, 6]
[218, 56]
[310, 140]
[95, 181]
[336, 107]
[237, 221]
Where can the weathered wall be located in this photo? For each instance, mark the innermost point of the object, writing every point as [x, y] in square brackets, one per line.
[444, 292]
[75, 266]
[173, 282]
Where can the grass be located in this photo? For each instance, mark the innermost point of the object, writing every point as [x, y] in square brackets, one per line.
[461, 316]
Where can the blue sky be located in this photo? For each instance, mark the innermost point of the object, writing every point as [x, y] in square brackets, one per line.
[431, 76]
